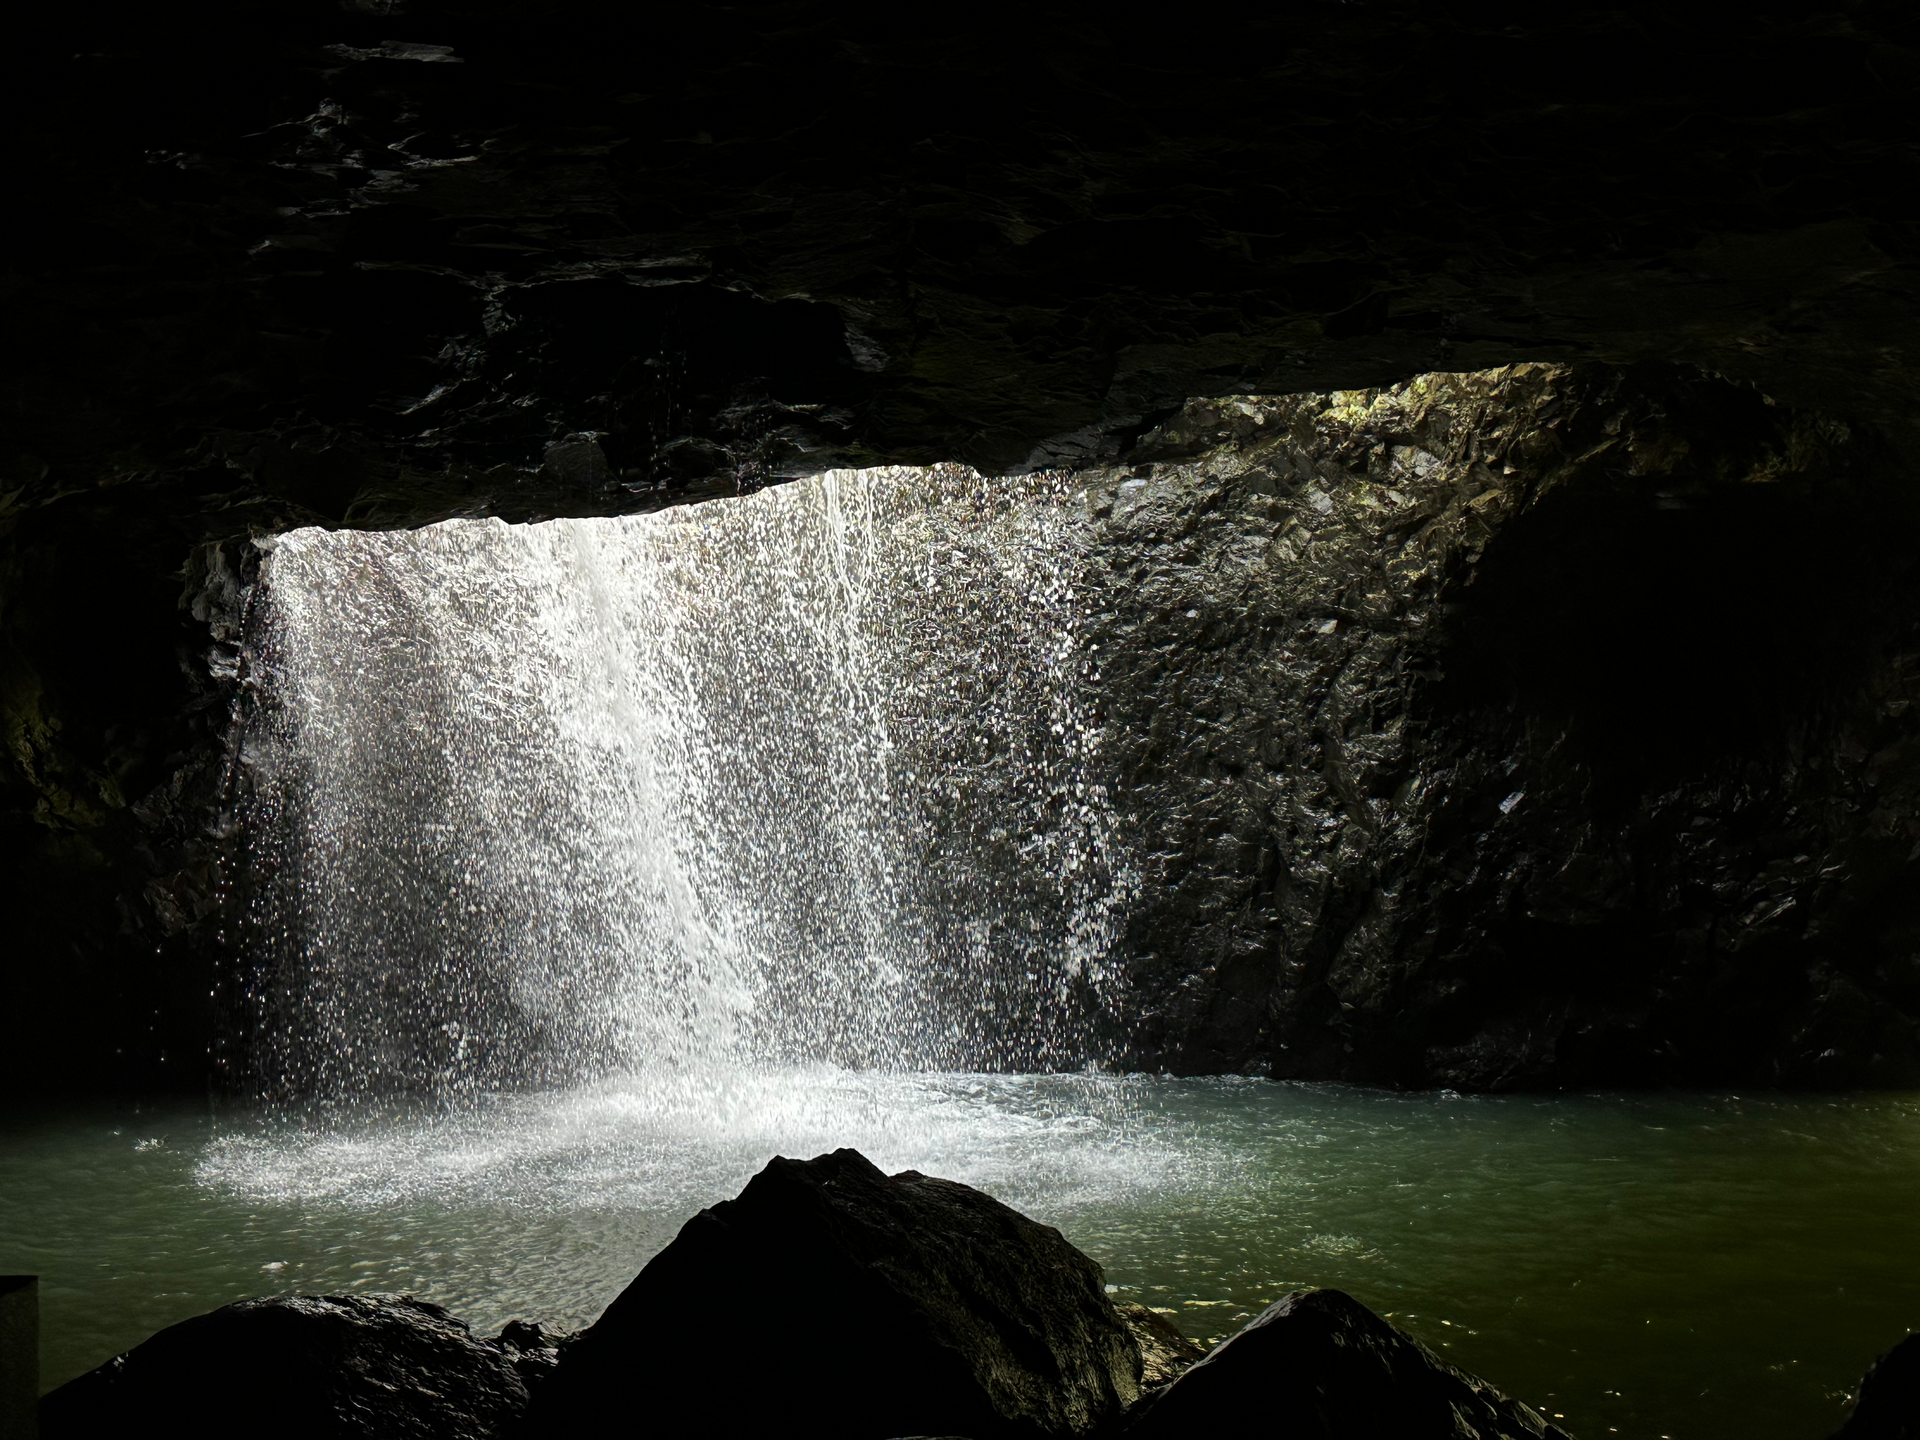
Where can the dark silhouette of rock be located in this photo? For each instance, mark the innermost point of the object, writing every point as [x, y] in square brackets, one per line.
[1887, 1404]
[831, 1300]
[1335, 1371]
[299, 1367]
[1165, 1354]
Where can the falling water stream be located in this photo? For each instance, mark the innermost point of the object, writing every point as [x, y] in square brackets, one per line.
[806, 778]
[595, 862]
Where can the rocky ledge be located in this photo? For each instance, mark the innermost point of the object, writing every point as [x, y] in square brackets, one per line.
[829, 1300]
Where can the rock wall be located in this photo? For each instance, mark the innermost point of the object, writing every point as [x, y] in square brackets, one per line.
[1537, 727]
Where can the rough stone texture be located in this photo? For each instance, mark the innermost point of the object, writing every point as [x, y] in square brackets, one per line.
[336, 1367]
[1319, 1365]
[885, 1306]
[1539, 727]
[1887, 1404]
[1165, 1354]
[375, 264]
[533, 1352]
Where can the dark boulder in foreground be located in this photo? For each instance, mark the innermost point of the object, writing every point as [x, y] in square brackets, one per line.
[830, 1299]
[1319, 1365]
[1887, 1404]
[299, 1367]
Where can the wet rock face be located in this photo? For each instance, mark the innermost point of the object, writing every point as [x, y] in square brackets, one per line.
[1542, 727]
[1320, 1364]
[1165, 1354]
[342, 1367]
[900, 1305]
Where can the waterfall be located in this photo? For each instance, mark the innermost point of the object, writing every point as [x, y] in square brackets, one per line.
[813, 776]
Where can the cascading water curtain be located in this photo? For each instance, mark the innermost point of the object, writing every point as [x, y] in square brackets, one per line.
[812, 776]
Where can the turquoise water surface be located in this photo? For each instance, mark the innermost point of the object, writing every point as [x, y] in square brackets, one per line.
[1666, 1265]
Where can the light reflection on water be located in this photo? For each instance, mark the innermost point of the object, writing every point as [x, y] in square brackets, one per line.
[1065, 1140]
[1726, 1265]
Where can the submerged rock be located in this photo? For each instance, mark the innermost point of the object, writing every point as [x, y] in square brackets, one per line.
[301, 1367]
[1887, 1404]
[1322, 1366]
[830, 1299]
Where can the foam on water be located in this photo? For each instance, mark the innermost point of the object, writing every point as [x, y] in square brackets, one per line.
[1062, 1142]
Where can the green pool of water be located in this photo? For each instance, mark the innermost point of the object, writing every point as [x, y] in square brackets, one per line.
[1647, 1266]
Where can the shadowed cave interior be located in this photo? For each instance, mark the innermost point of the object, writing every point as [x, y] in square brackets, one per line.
[1466, 454]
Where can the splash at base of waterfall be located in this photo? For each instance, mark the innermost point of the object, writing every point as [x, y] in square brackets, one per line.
[618, 1145]
[809, 777]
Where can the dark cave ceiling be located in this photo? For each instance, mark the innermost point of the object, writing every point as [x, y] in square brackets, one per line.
[343, 261]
